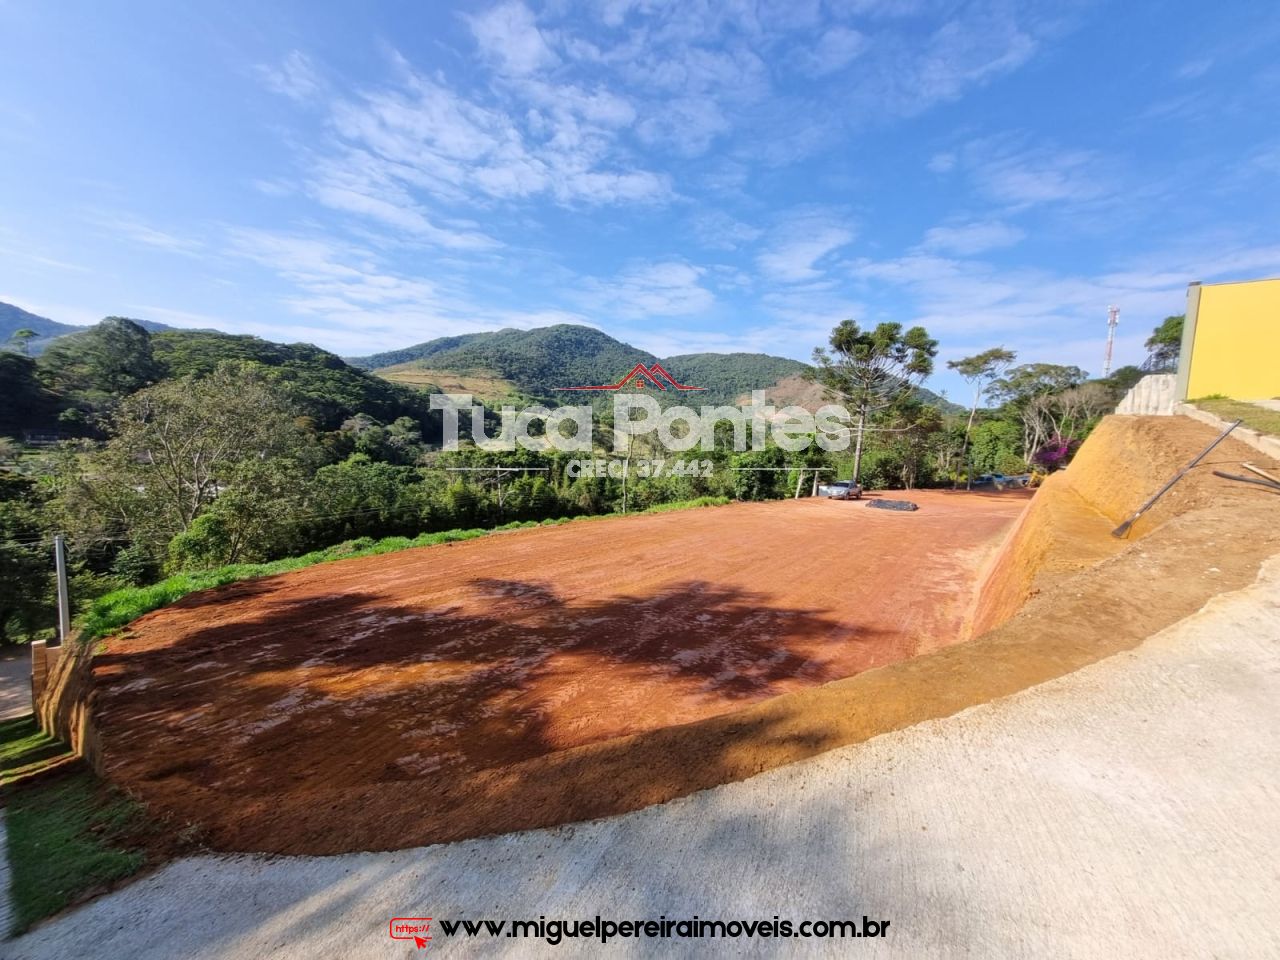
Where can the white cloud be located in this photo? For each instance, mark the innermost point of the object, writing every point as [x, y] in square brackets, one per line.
[800, 244]
[1194, 69]
[912, 66]
[1050, 316]
[942, 162]
[1007, 171]
[358, 183]
[1266, 160]
[424, 138]
[344, 297]
[123, 226]
[295, 77]
[835, 50]
[687, 125]
[970, 238]
[273, 188]
[508, 34]
[719, 231]
[664, 289]
[32, 257]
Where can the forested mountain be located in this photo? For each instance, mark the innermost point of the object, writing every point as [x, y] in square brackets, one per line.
[81, 377]
[421, 351]
[13, 319]
[325, 385]
[537, 362]
[730, 375]
[71, 374]
[540, 362]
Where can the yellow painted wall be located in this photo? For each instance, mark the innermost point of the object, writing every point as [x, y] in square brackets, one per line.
[1236, 351]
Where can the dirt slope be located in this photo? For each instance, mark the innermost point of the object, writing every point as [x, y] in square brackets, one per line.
[1126, 460]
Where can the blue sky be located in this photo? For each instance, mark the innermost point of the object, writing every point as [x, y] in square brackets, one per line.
[733, 176]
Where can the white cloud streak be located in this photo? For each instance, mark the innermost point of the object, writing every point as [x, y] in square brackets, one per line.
[668, 288]
[294, 77]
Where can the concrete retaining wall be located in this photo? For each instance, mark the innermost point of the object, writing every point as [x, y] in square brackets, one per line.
[1153, 395]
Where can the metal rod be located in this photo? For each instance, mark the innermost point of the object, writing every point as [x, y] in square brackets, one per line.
[1123, 529]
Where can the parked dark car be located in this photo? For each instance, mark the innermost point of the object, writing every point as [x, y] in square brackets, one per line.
[840, 490]
[1000, 481]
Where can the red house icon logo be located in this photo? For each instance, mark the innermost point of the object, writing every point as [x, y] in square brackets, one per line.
[640, 378]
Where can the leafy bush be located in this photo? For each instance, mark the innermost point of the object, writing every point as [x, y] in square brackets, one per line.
[206, 543]
[135, 566]
[1054, 454]
[689, 504]
[758, 476]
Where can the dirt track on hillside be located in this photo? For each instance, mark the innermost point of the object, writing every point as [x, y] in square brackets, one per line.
[270, 711]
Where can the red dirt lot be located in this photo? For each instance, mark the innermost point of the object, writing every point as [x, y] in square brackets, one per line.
[293, 699]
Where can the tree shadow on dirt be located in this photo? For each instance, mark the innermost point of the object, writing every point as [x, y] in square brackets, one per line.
[342, 696]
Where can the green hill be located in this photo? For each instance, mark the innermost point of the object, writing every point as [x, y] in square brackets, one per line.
[730, 375]
[324, 384]
[534, 363]
[539, 362]
[13, 319]
[85, 373]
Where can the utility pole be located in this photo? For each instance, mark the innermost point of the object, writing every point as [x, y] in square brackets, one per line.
[626, 469]
[64, 599]
[1113, 319]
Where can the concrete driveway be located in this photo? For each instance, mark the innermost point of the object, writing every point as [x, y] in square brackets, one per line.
[15, 681]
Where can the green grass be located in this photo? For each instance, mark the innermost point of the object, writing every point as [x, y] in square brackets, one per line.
[69, 834]
[686, 504]
[1254, 417]
[26, 751]
[114, 610]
